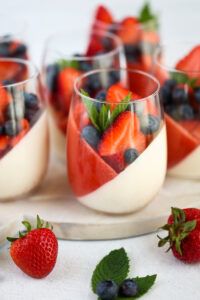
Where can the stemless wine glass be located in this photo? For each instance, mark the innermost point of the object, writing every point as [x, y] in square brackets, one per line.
[12, 37]
[177, 68]
[66, 59]
[116, 145]
[23, 129]
[139, 40]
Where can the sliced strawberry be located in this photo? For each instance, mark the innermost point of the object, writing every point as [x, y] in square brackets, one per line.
[191, 62]
[124, 133]
[5, 99]
[180, 142]
[14, 71]
[103, 14]
[129, 30]
[66, 80]
[116, 161]
[116, 93]
[94, 46]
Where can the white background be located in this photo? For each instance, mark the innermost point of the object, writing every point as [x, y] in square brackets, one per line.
[71, 278]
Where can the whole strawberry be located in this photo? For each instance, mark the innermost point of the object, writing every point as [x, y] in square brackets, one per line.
[183, 229]
[35, 251]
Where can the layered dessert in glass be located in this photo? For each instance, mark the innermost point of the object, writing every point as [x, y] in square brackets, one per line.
[116, 141]
[63, 62]
[24, 143]
[178, 69]
[138, 33]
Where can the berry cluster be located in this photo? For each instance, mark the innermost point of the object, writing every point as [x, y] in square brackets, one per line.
[12, 48]
[109, 290]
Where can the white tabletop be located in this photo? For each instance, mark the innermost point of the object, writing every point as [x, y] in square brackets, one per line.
[70, 279]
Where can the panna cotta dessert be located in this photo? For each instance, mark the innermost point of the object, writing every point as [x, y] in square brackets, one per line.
[180, 93]
[138, 33]
[113, 136]
[24, 143]
[63, 63]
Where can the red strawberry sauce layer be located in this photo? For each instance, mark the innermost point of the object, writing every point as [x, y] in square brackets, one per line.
[87, 171]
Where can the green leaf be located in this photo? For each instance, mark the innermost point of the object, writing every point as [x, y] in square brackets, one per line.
[11, 239]
[63, 63]
[121, 107]
[104, 117]
[27, 225]
[147, 16]
[144, 285]
[114, 266]
[183, 78]
[91, 110]
[40, 222]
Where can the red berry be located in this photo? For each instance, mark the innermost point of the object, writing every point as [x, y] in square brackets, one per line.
[124, 133]
[129, 30]
[183, 229]
[190, 63]
[102, 14]
[35, 252]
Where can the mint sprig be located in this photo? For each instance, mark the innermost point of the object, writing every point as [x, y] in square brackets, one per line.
[115, 266]
[63, 63]
[146, 16]
[103, 118]
[184, 79]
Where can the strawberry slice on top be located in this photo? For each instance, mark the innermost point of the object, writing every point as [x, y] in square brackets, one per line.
[66, 79]
[103, 15]
[191, 62]
[123, 134]
[116, 93]
[129, 30]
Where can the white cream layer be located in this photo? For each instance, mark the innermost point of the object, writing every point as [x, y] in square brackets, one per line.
[137, 185]
[189, 167]
[24, 166]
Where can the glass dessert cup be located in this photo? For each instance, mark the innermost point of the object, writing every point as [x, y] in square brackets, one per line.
[24, 143]
[116, 146]
[12, 43]
[139, 35]
[63, 62]
[179, 75]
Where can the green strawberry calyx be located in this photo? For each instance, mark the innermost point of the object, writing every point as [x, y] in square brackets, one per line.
[177, 231]
[40, 224]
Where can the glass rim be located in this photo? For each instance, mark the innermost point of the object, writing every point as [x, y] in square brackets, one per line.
[118, 48]
[118, 25]
[165, 67]
[9, 35]
[25, 62]
[97, 71]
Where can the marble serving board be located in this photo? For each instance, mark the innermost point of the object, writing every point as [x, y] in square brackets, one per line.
[54, 202]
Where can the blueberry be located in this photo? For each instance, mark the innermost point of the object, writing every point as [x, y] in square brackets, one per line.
[85, 66]
[51, 77]
[179, 95]
[31, 101]
[166, 94]
[185, 112]
[101, 95]
[171, 83]
[133, 52]
[114, 76]
[150, 124]
[7, 82]
[94, 83]
[11, 128]
[4, 49]
[1, 130]
[91, 135]
[128, 288]
[107, 290]
[197, 94]
[130, 155]
[20, 51]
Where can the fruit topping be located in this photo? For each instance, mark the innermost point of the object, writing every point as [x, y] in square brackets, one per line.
[103, 15]
[190, 63]
[124, 133]
[130, 155]
[91, 135]
[128, 288]
[129, 30]
[149, 124]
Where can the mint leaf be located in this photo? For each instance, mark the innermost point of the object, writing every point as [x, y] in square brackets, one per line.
[121, 107]
[114, 266]
[63, 63]
[183, 78]
[146, 16]
[144, 284]
[91, 109]
[105, 117]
